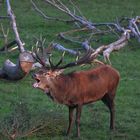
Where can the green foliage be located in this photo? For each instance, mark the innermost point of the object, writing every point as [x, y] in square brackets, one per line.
[31, 107]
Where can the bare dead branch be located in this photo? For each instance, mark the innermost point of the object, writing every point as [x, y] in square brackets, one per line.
[71, 39]
[86, 45]
[4, 17]
[74, 30]
[80, 40]
[123, 28]
[133, 26]
[58, 4]
[14, 26]
[107, 49]
[114, 25]
[61, 48]
[115, 46]
[48, 17]
[33, 130]
[75, 7]
[5, 35]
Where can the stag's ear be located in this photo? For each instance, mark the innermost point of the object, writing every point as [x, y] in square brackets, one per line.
[55, 73]
[58, 72]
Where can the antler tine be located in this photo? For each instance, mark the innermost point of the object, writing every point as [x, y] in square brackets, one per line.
[41, 46]
[86, 59]
[50, 62]
[61, 60]
[37, 53]
[36, 56]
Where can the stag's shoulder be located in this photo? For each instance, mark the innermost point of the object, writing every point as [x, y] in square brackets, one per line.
[110, 70]
[104, 68]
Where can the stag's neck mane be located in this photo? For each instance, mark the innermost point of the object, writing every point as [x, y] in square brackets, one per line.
[59, 85]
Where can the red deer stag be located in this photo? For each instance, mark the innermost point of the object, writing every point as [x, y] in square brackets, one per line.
[78, 88]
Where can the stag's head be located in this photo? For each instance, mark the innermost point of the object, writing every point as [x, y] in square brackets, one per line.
[41, 80]
[44, 77]
[48, 70]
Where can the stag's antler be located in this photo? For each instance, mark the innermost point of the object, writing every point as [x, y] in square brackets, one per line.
[46, 61]
[39, 53]
[87, 58]
[43, 55]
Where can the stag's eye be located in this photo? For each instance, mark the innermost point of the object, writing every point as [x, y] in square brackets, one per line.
[44, 74]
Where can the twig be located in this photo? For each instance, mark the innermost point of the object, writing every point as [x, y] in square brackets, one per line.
[33, 130]
[48, 17]
[8, 45]
[4, 17]
[5, 36]
[71, 39]
[77, 9]
[63, 8]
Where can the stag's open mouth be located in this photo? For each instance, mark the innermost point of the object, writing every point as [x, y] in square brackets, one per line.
[37, 85]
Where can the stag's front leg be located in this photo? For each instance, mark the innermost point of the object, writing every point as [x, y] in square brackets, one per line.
[71, 109]
[78, 115]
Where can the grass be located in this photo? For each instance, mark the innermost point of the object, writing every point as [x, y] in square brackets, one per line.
[32, 107]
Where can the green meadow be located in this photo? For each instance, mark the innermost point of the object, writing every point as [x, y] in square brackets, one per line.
[21, 104]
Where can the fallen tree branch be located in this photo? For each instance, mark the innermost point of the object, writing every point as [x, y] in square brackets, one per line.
[134, 27]
[62, 35]
[117, 45]
[125, 29]
[63, 8]
[86, 45]
[14, 26]
[61, 48]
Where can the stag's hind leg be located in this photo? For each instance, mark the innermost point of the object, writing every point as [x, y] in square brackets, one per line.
[109, 102]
